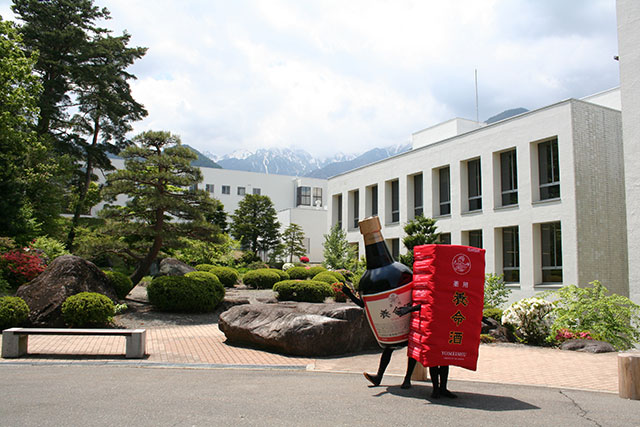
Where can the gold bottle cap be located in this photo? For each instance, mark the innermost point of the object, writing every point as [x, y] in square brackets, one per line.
[370, 225]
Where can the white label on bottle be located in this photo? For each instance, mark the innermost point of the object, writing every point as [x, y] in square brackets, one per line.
[381, 309]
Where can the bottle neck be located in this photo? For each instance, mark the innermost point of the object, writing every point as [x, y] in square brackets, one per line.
[376, 251]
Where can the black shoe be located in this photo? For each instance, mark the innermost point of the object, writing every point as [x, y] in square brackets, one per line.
[373, 379]
[406, 385]
[447, 393]
[435, 394]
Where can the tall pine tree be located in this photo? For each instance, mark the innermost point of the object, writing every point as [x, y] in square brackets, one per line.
[254, 224]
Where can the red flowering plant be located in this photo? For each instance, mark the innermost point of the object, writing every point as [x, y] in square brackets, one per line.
[565, 334]
[19, 267]
[304, 259]
[338, 295]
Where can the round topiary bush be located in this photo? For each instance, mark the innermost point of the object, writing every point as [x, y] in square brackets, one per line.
[303, 290]
[13, 312]
[204, 267]
[87, 309]
[263, 278]
[328, 277]
[227, 275]
[300, 273]
[195, 292]
[121, 283]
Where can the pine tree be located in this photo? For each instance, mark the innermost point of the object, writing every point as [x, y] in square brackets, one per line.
[420, 231]
[293, 239]
[254, 224]
[338, 253]
[161, 206]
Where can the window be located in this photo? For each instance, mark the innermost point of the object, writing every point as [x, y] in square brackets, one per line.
[241, 191]
[256, 191]
[548, 168]
[394, 247]
[395, 201]
[209, 188]
[339, 206]
[474, 181]
[444, 238]
[551, 252]
[304, 196]
[226, 189]
[509, 178]
[374, 200]
[511, 254]
[356, 208]
[445, 191]
[475, 238]
[317, 196]
[193, 187]
[417, 196]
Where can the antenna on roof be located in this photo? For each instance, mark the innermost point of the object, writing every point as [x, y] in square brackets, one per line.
[477, 115]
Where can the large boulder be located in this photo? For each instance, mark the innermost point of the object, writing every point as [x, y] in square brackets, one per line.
[173, 267]
[587, 346]
[299, 328]
[66, 275]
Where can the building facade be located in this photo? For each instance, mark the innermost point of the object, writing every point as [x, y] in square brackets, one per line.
[542, 192]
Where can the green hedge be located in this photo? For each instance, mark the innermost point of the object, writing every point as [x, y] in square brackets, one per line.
[227, 275]
[263, 278]
[329, 277]
[13, 312]
[195, 292]
[303, 290]
[87, 309]
[120, 282]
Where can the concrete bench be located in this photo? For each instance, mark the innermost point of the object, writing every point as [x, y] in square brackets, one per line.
[14, 340]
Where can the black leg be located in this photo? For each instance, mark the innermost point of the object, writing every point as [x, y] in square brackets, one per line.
[433, 373]
[384, 362]
[411, 364]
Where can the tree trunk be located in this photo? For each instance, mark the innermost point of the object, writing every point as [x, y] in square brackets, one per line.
[143, 267]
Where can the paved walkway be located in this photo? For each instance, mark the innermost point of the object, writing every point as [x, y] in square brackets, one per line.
[203, 346]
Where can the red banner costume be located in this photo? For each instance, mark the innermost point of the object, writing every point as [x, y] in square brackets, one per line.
[448, 282]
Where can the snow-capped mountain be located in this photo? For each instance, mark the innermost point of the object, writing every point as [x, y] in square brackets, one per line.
[297, 162]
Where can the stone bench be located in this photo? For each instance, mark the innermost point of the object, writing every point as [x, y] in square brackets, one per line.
[14, 340]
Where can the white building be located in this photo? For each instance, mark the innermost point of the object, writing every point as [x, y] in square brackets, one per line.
[628, 12]
[297, 200]
[542, 192]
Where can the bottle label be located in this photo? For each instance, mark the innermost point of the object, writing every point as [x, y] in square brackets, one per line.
[382, 308]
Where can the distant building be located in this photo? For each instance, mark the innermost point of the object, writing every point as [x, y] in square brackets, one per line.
[542, 192]
[302, 201]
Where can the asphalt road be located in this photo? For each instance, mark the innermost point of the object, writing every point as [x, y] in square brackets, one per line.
[101, 395]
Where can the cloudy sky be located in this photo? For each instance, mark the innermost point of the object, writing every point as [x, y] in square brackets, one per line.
[345, 76]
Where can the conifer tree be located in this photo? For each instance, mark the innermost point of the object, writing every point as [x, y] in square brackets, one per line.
[293, 240]
[338, 253]
[254, 224]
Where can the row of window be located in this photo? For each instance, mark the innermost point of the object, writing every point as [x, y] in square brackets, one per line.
[550, 242]
[226, 189]
[548, 181]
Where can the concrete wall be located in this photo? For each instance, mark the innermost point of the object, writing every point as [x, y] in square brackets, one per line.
[313, 222]
[628, 12]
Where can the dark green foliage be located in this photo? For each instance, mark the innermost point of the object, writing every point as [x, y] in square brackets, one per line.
[420, 231]
[494, 313]
[198, 294]
[256, 265]
[121, 283]
[327, 277]
[263, 278]
[204, 267]
[209, 280]
[87, 309]
[303, 290]
[254, 223]
[13, 312]
[293, 241]
[227, 275]
[300, 273]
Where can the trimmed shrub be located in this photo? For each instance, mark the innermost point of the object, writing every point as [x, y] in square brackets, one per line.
[199, 294]
[257, 265]
[13, 312]
[303, 290]
[263, 278]
[227, 275]
[316, 270]
[120, 282]
[327, 277]
[300, 273]
[87, 309]
[204, 267]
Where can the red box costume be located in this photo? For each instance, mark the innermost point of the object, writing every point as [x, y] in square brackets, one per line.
[448, 281]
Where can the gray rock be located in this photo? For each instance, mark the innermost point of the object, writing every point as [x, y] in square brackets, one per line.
[298, 328]
[587, 346]
[493, 328]
[173, 267]
[66, 275]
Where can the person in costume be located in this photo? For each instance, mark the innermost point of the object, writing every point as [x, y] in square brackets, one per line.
[387, 351]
